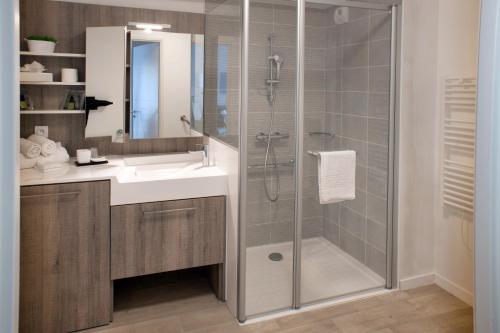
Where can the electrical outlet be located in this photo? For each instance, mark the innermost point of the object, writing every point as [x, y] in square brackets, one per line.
[42, 131]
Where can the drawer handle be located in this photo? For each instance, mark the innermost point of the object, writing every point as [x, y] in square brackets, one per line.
[167, 211]
[50, 195]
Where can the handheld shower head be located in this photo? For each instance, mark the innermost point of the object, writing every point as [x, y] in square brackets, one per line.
[279, 63]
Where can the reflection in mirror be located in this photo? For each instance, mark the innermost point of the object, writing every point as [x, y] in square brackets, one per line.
[145, 66]
[166, 84]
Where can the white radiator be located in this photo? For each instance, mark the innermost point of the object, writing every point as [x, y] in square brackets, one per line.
[459, 137]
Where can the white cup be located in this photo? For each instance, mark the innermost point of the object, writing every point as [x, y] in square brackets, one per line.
[83, 156]
[69, 75]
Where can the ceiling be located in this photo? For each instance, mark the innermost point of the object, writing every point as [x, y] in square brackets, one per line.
[191, 6]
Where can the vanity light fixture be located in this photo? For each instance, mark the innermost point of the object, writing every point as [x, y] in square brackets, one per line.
[149, 27]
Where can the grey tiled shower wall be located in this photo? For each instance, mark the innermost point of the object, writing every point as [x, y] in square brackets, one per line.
[347, 94]
[222, 70]
[358, 74]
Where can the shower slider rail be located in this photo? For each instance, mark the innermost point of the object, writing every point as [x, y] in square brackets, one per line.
[272, 165]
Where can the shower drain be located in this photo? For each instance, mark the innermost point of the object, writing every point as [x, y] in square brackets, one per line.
[276, 256]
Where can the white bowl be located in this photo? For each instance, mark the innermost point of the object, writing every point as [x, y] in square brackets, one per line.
[41, 46]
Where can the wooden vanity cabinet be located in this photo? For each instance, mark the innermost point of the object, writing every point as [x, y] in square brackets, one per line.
[165, 236]
[65, 258]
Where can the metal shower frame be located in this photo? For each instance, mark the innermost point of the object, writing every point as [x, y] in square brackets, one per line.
[395, 7]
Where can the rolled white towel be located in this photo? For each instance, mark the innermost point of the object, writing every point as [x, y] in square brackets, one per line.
[26, 163]
[30, 149]
[59, 156]
[48, 146]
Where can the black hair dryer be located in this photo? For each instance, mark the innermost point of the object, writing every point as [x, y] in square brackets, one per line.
[92, 104]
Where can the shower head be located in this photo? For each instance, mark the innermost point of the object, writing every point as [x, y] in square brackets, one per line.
[271, 37]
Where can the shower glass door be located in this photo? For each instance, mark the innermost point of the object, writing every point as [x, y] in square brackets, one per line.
[271, 156]
[316, 77]
[346, 108]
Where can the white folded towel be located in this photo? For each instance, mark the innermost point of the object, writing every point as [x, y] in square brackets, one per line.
[48, 146]
[26, 163]
[30, 149]
[47, 166]
[337, 176]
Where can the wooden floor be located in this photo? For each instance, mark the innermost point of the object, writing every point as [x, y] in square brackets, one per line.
[188, 305]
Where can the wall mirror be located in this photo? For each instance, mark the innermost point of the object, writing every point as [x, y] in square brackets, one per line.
[153, 77]
[166, 84]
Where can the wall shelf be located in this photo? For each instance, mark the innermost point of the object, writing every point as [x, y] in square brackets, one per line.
[29, 83]
[58, 55]
[53, 112]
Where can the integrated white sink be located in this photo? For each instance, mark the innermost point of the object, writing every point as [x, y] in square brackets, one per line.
[166, 177]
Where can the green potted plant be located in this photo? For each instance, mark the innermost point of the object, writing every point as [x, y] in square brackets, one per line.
[41, 44]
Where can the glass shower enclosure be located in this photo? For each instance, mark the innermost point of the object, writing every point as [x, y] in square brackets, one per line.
[316, 76]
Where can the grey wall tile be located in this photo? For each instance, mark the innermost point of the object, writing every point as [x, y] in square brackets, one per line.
[355, 79]
[285, 14]
[261, 13]
[360, 177]
[331, 231]
[333, 58]
[360, 147]
[282, 210]
[355, 55]
[286, 35]
[353, 222]
[380, 26]
[376, 182]
[312, 227]
[333, 102]
[314, 80]
[378, 105]
[315, 37]
[355, 103]
[378, 157]
[378, 131]
[376, 209]
[281, 232]
[376, 235]
[315, 58]
[358, 205]
[333, 80]
[352, 245]
[376, 260]
[258, 235]
[355, 32]
[380, 79]
[380, 53]
[354, 127]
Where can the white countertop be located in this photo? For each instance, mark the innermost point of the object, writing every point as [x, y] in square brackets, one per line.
[73, 174]
[111, 171]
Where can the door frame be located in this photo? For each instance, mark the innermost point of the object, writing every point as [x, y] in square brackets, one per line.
[9, 168]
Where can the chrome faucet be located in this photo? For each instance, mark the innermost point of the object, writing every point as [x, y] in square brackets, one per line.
[206, 156]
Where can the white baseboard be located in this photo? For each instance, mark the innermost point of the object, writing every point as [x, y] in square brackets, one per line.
[427, 279]
[417, 281]
[455, 289]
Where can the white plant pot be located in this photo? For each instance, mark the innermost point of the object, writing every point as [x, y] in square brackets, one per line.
[41, 46]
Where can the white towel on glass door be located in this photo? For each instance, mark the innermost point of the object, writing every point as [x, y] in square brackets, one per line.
[336, 176]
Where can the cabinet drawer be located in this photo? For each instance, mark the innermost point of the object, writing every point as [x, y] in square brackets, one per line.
[166, 236]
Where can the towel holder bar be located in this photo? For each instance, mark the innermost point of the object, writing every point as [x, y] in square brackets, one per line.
[313, 153]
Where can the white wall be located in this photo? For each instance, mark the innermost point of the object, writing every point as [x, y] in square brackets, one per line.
[227, 158]
[457, 57]
[439, 39]
[417, 154]
[9, 175]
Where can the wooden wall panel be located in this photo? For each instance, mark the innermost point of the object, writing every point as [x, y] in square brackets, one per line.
[67, 22]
